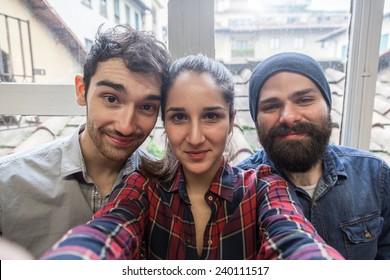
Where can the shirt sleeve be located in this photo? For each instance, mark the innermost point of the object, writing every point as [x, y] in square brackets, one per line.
[284, 231]
[116, 230]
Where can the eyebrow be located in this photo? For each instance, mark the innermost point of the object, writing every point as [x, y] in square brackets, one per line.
[153, 97]
[213, 108]
[268, 100]
[121, 89]
[207, 109]
[295, 94]
[305, 91]
[117, 87]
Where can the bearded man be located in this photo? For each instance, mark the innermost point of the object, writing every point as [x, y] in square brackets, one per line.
[344, 192]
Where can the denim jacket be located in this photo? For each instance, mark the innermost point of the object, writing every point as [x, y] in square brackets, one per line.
[351, 204]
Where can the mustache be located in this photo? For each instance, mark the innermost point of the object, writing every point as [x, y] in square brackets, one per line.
[117, 133]
[301, 127]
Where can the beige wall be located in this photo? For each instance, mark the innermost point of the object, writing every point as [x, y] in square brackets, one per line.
[48, 54]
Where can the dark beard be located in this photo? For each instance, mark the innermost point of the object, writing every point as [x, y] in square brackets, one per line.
[296, 155]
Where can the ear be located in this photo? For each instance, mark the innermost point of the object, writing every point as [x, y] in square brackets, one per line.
[80, 90]
[231, 122]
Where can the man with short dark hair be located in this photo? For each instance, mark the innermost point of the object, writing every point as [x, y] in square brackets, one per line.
[48, 190]
[344, 192]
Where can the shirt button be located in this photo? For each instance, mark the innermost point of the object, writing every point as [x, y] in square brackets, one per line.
[210, 198]
[210, 242]
[188, 241]
[367, 234]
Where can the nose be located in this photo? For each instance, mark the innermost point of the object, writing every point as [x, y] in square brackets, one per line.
[195, 134]
[290, 115]
[125, 123]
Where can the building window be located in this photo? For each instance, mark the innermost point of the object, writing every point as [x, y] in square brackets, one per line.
[87, 3]
[88, 44]
[241, 48]
[103, 8]
[128, 15]
[274, 43]
[137, 25]
[344, 53]
[116, 11]
[299, 43]
[292, 20]
[383, 43]
[5, 73]
[241, 44]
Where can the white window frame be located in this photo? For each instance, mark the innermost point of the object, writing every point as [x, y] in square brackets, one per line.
[362, 70]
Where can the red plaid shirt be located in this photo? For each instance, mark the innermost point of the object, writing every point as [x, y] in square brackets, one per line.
[253, 216]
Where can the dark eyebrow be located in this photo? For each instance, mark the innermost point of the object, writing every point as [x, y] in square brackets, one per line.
[269, 100]
[213, 108]
[295, 94]
[176, 109]
[305, 91]
[207, 109]
[121, 89]
[117, 87]
[153, 97]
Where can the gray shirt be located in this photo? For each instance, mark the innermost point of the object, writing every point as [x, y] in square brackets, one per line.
[46, 191]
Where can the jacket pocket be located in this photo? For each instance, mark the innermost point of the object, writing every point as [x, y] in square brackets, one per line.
[361, 235]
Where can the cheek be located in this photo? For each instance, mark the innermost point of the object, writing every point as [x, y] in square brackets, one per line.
[174, 135]
[316, 114]
[98, 116]
[218, 134]
[265, 122]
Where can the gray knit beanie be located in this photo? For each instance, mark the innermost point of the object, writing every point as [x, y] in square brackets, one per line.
[286, 62]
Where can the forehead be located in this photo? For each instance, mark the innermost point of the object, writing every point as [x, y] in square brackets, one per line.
[194, 78]
[284, 84]
[115, 70]
[194, 86]
[113, 63]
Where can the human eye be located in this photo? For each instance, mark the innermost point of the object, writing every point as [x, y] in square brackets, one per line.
[149, 109]
[305, 100]
[211, 116]
[111, 99]
[269, 108]
[178, 117]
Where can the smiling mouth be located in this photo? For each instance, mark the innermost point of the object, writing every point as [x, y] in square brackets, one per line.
[197, 154]
[122, 141]
[293, 136]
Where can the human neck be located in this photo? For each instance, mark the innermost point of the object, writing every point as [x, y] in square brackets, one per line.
[200, 183]
[307, 178]
[196, 184]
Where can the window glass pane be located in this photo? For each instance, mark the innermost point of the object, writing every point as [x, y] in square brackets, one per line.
[128, 15]
[380, 133]
[247, 32]
[116, 11]
[86, 2]
[103, 8]
[137, 23]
